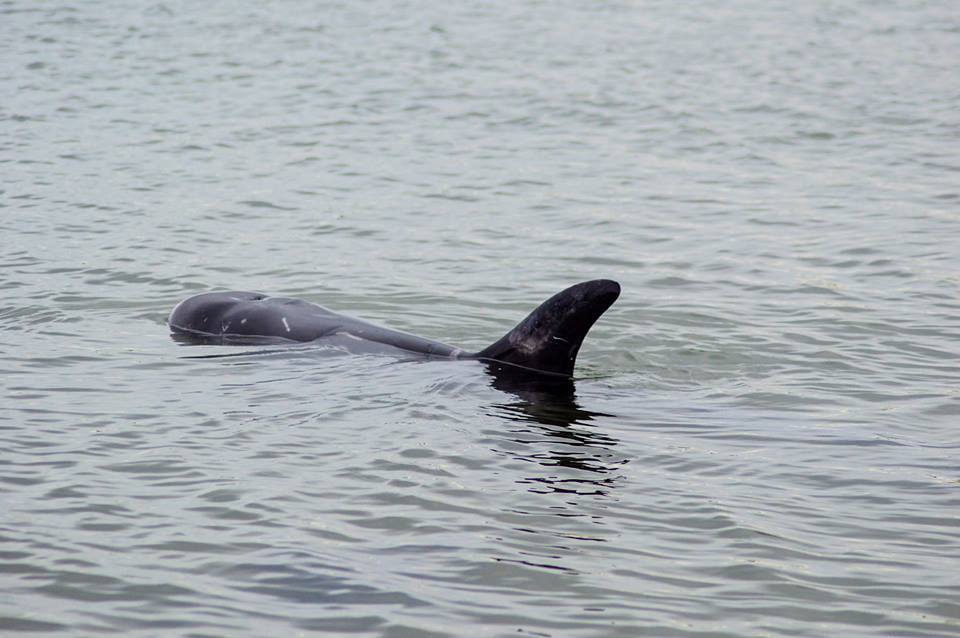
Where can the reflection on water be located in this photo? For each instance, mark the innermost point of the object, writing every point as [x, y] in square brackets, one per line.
[552, 430]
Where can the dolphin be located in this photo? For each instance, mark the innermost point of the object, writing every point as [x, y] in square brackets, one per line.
[547, 341]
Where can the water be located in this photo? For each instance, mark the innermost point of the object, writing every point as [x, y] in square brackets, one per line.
[763, 439]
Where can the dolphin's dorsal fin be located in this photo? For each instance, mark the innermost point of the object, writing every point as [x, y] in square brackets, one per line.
[549, 338]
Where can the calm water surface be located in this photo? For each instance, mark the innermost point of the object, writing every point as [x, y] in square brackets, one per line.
[763, 439]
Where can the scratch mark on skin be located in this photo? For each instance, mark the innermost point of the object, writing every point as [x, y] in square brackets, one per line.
[347, 334]
[555, 338]
[285, 324]
[243, 321]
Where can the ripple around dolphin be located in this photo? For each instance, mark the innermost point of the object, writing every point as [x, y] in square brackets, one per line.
[30, 318]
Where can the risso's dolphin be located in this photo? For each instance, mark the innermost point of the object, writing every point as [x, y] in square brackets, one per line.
[546, 341]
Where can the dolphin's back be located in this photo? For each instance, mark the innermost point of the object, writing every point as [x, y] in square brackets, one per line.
[235, 315]
[548, 340]
[244, 317]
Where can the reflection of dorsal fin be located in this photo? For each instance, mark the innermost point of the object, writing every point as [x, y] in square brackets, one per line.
[549, 338]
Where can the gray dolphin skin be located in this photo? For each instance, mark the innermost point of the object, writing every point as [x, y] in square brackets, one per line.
[547, 341]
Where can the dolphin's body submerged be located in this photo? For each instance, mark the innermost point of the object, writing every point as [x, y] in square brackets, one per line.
[548, 340]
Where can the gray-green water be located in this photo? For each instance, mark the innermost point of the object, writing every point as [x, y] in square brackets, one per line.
[764, 439]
